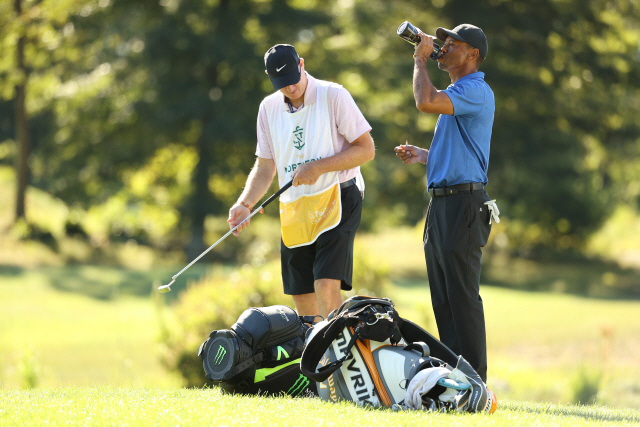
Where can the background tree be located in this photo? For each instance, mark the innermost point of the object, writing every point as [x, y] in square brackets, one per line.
[565, 128]
[142, 114]
[22, 132]
[31, 49]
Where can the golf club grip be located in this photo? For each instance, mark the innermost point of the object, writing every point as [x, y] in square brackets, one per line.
[277, 193]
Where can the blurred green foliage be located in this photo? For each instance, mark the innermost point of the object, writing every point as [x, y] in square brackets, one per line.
[585, 386]
[142, 114]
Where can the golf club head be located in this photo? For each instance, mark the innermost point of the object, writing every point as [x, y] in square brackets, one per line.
[166, 288]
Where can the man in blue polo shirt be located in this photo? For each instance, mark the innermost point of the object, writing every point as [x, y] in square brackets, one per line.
[460, 211]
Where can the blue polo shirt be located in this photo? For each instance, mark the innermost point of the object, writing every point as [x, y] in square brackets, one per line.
[459, 152]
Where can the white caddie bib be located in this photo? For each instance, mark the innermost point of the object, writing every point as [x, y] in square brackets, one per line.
[304, 136]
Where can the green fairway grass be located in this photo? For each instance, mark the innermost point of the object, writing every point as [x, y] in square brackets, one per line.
[181, 407]
[542, 346]
[62, 338]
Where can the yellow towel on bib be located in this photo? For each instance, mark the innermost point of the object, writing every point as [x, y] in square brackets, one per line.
[304, 219]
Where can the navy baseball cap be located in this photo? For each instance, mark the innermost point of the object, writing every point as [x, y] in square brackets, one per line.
[466, 33]
[282, 65]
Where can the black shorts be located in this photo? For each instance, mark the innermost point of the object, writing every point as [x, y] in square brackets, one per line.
[330, 256]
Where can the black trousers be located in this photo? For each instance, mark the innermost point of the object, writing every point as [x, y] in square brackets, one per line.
[456, 229]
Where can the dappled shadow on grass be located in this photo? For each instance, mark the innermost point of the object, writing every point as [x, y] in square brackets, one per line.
[587, 412]
[587, 278]
[106, 283]
[11, 270]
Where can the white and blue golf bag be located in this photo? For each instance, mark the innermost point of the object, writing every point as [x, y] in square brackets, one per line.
[366, 353]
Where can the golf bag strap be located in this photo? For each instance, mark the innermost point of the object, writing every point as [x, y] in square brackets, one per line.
[322, 339]
[318, 344]
[310, 319]
[242, 334]
[414, 333]
[327, 370]
[241, 367]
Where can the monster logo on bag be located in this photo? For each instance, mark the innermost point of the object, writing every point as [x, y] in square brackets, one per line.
[298, 386]
[220, 355]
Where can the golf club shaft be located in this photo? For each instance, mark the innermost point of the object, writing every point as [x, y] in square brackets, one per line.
[262, 206]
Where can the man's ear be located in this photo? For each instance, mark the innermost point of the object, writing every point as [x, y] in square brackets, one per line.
[473, 54]
[265, 71]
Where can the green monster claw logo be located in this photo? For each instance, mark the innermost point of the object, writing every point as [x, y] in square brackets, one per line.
[220, 355]
[301, 383]
[298, 143]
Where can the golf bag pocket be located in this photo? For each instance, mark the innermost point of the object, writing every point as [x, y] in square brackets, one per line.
[259, 354]
[283, 379]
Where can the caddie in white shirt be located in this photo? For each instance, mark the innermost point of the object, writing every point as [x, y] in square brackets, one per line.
[312, 132]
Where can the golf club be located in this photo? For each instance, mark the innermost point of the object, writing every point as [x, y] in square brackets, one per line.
[167, 288]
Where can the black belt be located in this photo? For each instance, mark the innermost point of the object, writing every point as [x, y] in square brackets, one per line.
[349, 183]
[455, 189]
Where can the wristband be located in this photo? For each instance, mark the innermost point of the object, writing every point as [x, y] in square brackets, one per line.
[246, 205]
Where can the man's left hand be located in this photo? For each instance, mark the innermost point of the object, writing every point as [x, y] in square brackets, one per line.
[306, 174]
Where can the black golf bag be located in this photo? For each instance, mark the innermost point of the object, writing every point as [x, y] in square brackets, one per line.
[366, 353]
[259, 354]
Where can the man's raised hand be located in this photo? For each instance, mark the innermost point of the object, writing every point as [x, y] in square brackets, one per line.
[410, 154]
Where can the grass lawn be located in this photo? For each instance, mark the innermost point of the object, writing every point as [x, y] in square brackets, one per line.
[57, 338]
[542, 346]
[181, 407]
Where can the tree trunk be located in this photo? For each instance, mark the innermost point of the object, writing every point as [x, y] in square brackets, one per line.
[198, 203]
[22, 133]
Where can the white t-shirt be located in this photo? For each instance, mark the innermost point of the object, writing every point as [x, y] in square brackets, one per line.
[347, 122]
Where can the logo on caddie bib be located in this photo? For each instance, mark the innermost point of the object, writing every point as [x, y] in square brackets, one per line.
[298, 142]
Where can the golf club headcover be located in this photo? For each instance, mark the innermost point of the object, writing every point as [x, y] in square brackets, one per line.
[476, 399]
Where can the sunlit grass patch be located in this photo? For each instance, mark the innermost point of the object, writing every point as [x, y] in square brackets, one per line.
[182, 407]
[62, 338]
